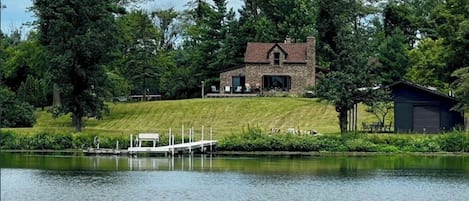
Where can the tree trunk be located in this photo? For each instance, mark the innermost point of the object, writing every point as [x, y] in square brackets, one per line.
[77, 122]
[56, 95]
[342, 119]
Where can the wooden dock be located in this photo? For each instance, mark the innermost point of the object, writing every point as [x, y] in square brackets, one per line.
[190, 147]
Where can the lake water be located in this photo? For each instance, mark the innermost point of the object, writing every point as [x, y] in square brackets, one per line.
[33, 177]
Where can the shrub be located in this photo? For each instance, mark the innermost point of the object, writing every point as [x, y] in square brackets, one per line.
[361, 145]
[454, 142]
[15, 113]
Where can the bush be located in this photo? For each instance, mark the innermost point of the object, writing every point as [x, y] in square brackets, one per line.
[15, 113]
[454, 142]
[360, 145]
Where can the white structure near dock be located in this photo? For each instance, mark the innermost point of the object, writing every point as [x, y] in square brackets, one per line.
[172, 148]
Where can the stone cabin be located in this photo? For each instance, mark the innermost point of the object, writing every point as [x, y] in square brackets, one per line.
[273, 68]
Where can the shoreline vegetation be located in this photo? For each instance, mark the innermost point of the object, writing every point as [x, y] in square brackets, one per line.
[254, 142]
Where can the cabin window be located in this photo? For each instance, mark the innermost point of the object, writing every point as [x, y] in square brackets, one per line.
[277, 82]
[276, 58]
[238, 83]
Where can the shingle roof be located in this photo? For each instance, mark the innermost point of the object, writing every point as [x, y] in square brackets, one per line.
[257, 52]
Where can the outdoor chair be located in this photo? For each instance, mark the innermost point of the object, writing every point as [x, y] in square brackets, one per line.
[239, 89]
[227, 89]
[214, 89]
[248, 88]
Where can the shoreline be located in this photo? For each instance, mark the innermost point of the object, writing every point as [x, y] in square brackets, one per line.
[124, 152]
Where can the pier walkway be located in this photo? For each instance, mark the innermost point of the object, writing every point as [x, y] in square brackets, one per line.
[190, 146]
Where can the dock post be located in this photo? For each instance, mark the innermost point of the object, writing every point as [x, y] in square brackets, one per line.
[172, 150]
[202, 144]
[131, 141]
[117, 145]
[190, 139]
[171, 132]
[211, 140]
[182, 134]
[169, 143]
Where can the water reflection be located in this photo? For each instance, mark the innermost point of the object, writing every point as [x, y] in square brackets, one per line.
[341, 166]
[203, 177]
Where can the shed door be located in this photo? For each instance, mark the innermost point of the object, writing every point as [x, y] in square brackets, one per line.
[426, 119]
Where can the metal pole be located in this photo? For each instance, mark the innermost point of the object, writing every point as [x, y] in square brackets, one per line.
[203, 88]
[131, 140]
[173, 145]
[356, 117]
[211, 136]
[202, 144]
[190, 140]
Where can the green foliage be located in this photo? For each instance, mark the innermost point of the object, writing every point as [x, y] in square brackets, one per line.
[254, 140]
[393, 58]
[401, 16]
[139, 63]
[24, 59]
[59, 141]
[428, 64]
[455, 142]
[14, 112]
[462, 88]
[78, 38]
[345, 50]
[34, 91]
[117, 85]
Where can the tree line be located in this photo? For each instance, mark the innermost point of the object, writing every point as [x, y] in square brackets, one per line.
[91, 51]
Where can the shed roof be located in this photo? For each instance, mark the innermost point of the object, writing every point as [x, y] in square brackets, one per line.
[422, 88]
[258, 52]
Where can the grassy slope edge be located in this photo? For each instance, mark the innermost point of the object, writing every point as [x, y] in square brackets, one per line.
[224, 115]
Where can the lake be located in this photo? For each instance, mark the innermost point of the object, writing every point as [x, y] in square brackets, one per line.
[27, 176]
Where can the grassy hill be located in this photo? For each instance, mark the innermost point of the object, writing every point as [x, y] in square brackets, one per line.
[224, 115]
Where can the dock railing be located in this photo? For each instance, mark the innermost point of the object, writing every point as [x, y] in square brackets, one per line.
[189, 145]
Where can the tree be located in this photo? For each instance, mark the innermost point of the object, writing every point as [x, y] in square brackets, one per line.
[140, 50]
[79, 36]
[348, 77]
[381, 105]
[428, 64]
[282, 19]
[34, 91]
[169, 28]
[208, 33]
[400, 17]
[462, 89]
[393, 57]
[449, 22]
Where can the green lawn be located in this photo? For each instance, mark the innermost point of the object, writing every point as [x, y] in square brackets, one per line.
[224, 115]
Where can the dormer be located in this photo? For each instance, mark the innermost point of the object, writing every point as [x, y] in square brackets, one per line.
[276, 55]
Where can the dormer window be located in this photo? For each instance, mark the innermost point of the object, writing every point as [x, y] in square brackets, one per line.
[276, 58]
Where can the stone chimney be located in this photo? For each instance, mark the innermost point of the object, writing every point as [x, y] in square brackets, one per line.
[311, 58]
[287, 40]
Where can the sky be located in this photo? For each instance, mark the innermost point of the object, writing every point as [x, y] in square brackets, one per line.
[16, 13]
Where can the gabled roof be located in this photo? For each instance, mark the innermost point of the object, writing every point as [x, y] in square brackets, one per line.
[258, 52]
[423, 88]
